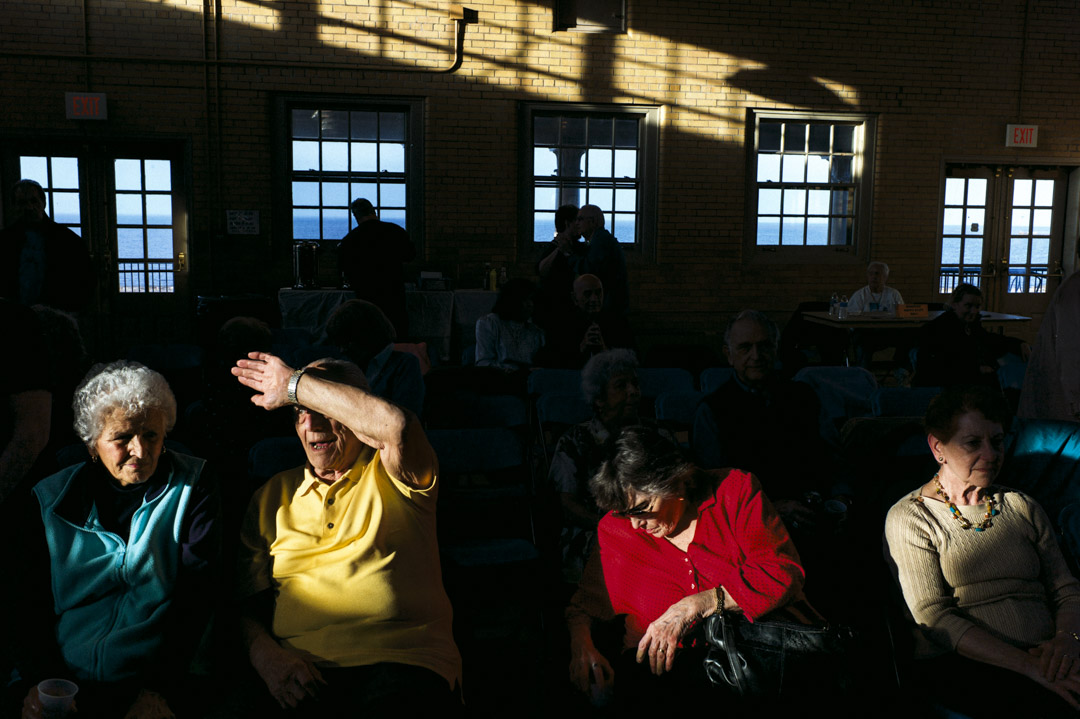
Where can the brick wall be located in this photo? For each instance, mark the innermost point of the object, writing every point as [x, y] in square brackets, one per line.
[943, 77]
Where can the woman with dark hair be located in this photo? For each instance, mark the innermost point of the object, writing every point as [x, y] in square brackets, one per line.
[982, 573]
[955, 349]
[677, 544]
[507, 338]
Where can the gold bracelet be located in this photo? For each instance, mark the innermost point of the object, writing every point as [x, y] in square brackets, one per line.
[720, 600]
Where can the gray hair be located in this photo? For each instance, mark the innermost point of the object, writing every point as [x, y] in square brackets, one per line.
[761, 318]
[601, 367]
[126, 386]
[340, 371]
[645, 463]
[877, 263]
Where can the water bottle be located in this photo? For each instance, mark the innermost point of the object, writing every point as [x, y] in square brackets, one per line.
[833, 302]
[841, 308]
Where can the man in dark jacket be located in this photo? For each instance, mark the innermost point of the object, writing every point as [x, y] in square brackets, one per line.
[371, 258]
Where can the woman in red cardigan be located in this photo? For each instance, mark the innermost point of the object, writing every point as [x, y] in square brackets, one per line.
[678, 544]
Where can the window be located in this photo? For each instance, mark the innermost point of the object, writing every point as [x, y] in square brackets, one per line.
[811, 180]
[591, 15]
[138, 225]
[1002, 230]
[144, 225]
[963, 231]
[338, 154]
[595, 156]
[59, 177]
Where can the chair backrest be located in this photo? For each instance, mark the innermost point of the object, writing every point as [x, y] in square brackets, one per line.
[902, 401]
[675, 411]
[554, 381]
[477, 450]
[845, 392]
[565, 409]
[657, 380]
[678, 407]
[269, 456]
[713, 377]
[468, 356]
[1011, 375]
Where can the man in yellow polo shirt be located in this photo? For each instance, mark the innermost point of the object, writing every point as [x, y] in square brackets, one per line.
[344, 610]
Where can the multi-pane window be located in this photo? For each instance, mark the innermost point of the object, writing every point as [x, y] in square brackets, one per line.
[144, 225]
[59, 177]
[587, 159]
[806, 183]
[963, 231]
[337, 156]
[811, 181]
[1029, 235]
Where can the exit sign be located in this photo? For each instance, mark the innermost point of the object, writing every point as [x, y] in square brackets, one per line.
[1021, 136]
[86, 106]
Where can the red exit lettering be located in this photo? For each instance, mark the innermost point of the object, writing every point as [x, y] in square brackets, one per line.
[85, 106]
[1022, 136]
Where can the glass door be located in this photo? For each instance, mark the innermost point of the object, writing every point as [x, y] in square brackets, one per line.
[1002, 230]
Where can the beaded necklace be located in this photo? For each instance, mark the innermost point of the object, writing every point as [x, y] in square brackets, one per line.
[965, 523]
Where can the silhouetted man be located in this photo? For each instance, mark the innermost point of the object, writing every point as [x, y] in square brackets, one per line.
[587, 330]
[42, 262]
[371, 258]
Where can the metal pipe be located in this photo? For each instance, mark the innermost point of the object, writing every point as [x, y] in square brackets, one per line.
[459, 57]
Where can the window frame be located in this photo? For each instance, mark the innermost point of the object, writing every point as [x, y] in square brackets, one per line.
[97, 194]
[862, 177]
[643, 248]
[414, 158]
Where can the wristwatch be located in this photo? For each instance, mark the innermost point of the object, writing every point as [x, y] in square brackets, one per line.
[294, 381]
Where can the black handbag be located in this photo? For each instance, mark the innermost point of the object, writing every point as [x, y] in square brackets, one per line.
[775, 658]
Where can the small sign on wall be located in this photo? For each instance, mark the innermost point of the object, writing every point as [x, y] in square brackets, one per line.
[86, 106]
[1021, 136]
[242, 222]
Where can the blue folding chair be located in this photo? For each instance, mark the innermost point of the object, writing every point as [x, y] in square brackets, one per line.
[712, 378]
[554, 381]
[675, 411]
[269, 456]
[902, 401]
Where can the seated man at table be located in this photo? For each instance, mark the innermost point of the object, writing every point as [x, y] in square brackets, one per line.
[366, 337]
[587, 330]
[876, 296]
[956, 349]
[760, 422]
[344, 611]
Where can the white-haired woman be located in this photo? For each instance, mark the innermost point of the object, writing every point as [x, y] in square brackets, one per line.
[124, 552]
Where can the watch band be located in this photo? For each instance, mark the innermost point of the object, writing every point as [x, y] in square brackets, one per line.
[294, 381]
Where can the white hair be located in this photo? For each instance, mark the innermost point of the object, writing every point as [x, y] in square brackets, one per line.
[126, 386]
[876, 263]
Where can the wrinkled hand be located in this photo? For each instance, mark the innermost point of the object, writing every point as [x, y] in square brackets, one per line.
[149, 705]
[663, 635]
[588, 666]
[1058, 657]
[1067, 687]
[267, 375]
[593, 337]
[289, 674]
[794, 513]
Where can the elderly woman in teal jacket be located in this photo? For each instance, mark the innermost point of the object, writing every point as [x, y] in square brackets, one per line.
[132, 543]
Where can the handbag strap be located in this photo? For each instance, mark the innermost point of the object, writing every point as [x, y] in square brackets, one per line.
[735, 662]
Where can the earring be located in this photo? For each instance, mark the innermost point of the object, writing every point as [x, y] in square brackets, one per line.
[941, 459]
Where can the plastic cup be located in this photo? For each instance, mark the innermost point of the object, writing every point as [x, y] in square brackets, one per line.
[57, 697]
